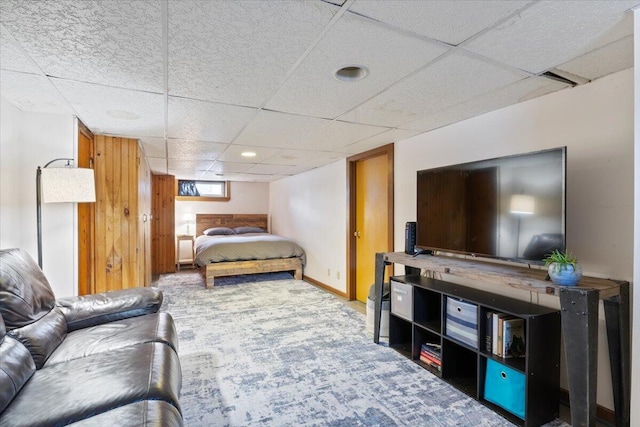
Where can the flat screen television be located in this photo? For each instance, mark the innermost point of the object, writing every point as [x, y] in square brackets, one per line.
[510, 208]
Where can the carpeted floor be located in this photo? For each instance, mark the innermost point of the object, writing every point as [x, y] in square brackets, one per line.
[285, 353]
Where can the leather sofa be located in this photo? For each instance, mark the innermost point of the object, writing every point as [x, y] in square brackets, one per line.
[106, 359]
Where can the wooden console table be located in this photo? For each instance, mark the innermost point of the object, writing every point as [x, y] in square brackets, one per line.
[579, 310]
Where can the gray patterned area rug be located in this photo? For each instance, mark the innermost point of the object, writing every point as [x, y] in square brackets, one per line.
[285, 353]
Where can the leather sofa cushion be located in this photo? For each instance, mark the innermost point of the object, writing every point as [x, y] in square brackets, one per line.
[155, 413]
[16, 367]
[157, 327]
[25, 294]
[90, 310]
[95, 384]
[43, 336]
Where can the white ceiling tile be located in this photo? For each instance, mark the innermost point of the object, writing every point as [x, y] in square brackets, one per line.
[449, 21]
[233, 153]
[242, 177]
[337, 135]
[519, 91]
[188, 169]
[115, 111]
[12, 57]
[154, 147]
[388, 55]
[219, 168]
[303, 157]
[194, 150]
[117, 43]
[274, 129]
[32, 92]
[266, 169]
[608, 59]
[384, 138]
[157, 165]
[541, 37]
[206, 121]
[449, 81]
[239, 51]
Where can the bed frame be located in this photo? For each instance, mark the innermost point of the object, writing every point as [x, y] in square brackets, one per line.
[234, 268]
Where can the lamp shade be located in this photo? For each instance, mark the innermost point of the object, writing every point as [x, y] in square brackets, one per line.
[68, 185]
[523, 204]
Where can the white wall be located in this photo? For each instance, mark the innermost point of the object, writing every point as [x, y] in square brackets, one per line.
[29, 140]
[311, 209]
[594, 121]
[246, 198]
[635, 361]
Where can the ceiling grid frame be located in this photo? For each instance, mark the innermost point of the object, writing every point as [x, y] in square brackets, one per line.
[108, 100]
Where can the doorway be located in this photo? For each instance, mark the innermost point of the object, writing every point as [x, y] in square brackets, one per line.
[86, 217]
[370, 216]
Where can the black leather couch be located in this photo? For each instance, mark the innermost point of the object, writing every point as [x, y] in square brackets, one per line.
[100, 360]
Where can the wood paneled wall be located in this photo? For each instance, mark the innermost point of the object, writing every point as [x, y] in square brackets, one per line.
[163, 244]
[116, 213]
[144, 222]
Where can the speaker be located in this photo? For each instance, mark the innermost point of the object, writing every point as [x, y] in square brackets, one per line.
[410, 238]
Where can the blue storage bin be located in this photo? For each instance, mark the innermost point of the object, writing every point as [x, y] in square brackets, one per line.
[462, 321]
[505, 387]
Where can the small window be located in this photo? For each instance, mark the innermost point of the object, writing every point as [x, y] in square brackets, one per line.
[202, 190]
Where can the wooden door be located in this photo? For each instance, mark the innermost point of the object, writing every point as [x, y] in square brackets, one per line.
[86, 217]
[372, 212]
[163, 246]
[116, 213]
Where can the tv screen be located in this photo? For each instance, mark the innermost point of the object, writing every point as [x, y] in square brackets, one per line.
[509, 208]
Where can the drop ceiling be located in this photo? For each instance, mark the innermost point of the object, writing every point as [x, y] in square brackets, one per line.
[200, 82]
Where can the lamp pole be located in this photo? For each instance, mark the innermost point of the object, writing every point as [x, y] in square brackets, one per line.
[39, 203]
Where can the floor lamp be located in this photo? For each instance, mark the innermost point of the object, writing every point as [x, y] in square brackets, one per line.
[62, 185]
[521, 204]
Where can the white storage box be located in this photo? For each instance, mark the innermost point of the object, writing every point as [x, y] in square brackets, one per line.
[462, 321]
[402, 300]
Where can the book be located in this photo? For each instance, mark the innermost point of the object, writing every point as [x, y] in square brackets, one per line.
[430, 363]
[501, 320]
[496, 334]
[432, 349]
[513, 338]
[488, 332]
[430, 358]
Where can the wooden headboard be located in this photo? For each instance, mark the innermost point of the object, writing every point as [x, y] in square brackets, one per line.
[204, 221]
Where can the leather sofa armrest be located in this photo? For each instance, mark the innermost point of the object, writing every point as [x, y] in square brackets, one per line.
[90, 310]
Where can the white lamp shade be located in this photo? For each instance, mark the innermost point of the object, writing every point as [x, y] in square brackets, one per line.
[189, 217]
[68, 185]
[523, 204]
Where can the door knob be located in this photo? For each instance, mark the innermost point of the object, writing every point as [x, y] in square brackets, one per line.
[356, 234]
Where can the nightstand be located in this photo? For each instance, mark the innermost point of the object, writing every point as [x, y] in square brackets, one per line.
[191, 238]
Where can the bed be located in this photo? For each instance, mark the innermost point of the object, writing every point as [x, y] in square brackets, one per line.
[247, 253]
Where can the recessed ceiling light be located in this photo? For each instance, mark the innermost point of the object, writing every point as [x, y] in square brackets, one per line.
[351, 73]
[248, 154]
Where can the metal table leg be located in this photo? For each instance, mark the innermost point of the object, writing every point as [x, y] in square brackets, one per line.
[379, 289]
[580, 333]
[616, 311]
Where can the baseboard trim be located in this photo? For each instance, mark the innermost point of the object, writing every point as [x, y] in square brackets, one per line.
[324, 286]
[602, 413]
